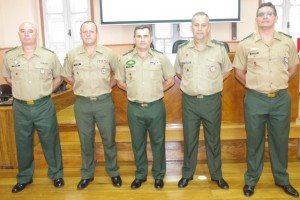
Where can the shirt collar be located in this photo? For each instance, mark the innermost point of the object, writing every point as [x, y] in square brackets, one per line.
[191, 44]
[37, 51]
[150, 51]
[98, 49]
[257, 36]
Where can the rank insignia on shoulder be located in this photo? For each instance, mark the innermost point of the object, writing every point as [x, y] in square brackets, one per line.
[157, 51]
[217, 42]
[128, 52]
[11, 49]
[48, 49]
[285, 34]
[183, 44]
[248, 36]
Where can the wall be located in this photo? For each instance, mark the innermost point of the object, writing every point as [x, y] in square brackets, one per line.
[14, 12]
[28, 10]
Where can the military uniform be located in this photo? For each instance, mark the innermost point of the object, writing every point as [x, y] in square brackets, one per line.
[146, 110]
[201, 84]
[33, 109]
[94, 104]
[267, 102]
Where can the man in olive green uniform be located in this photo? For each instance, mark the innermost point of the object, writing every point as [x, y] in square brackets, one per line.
[34, 72]
[265, 62]
[89, 69]
[202, 64]
[145, 74]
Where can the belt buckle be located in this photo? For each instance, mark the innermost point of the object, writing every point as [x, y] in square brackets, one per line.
[144, 104]
[200, 96]
[271, 95]
[93, 98]
[30, 102]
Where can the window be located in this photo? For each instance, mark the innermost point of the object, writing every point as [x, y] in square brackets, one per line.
[166, 34]
[288, 12]
[163, 35]
[62, 21]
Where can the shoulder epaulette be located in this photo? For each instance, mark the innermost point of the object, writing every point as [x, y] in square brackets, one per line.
[124, 54]
[247, 37]
[157, 51]
[286, 35]
[183, 44]
[48, 49]
[11, 49]
[217, 42]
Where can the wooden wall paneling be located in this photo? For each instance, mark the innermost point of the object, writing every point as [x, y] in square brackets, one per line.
[8, 153]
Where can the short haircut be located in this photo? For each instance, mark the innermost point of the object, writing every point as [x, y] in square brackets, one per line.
[143, 27]
[267, 4]
[28, 23]
[88, 22]
[200, 14]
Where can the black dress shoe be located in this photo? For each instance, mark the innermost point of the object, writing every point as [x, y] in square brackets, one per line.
[137, 183]
[84, 183]
[59, 182]
[289, 190]
[248, 190]
[222, 183]
[159, 184]
[183, 182]
[20, 186]
[116, 181]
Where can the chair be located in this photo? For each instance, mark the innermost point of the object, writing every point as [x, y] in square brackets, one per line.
[5, 90]
[226, 46]
[176, 44]
[5, 95]
[61, 88]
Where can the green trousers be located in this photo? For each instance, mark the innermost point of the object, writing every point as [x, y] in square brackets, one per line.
[207, 110]
[88, 113]
[272, 114]
[40, 116]
[151, 118]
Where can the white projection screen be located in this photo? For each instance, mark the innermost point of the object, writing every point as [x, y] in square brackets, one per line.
[166, 11]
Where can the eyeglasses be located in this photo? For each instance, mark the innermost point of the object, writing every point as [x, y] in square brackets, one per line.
[267, 13]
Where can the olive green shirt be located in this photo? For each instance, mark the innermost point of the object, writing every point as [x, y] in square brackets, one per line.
[31, 78]
[144, 77]
[266, 66]
[202, 71]
[92, 75]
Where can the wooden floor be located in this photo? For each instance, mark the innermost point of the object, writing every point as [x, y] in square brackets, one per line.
[200, 188]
